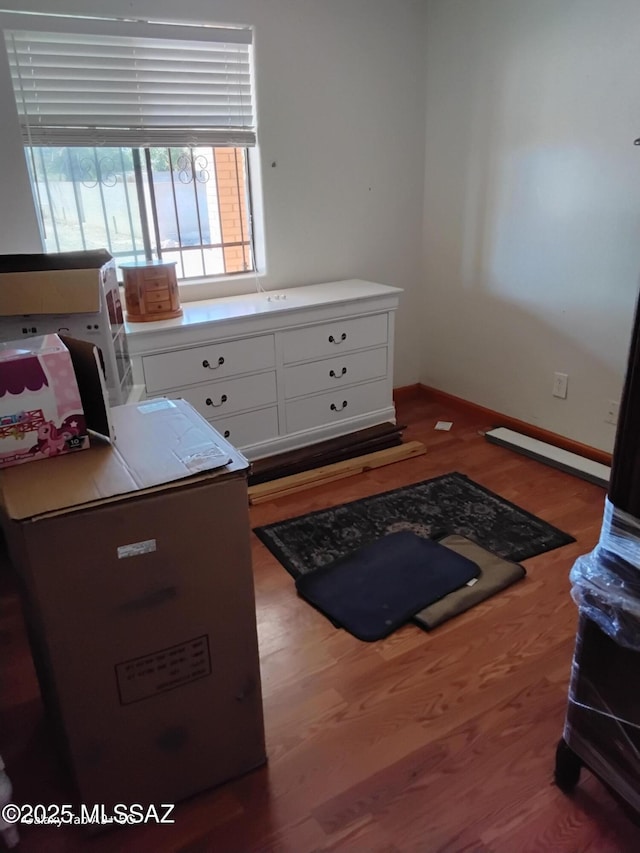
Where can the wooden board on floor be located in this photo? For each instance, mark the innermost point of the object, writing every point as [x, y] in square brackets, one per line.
[336, 471]
[332, 450]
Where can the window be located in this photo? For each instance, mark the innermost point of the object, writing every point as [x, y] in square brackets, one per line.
[137, 137]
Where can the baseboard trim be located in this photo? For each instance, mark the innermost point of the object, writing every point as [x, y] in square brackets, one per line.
[551, 454]
[496, 419]
[408, 392]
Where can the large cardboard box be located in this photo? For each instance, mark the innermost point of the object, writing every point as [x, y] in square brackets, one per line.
[138, 592]
[46, 384]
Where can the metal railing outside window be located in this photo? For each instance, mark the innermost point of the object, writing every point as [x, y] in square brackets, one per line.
[191, 205]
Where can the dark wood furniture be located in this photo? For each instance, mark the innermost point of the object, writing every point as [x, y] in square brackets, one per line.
[602, 728]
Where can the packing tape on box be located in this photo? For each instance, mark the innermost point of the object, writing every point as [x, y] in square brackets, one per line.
[606, 582]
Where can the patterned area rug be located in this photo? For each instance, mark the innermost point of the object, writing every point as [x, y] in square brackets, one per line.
[434, 508]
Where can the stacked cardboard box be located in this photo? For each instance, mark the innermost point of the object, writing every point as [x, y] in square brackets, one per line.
[135, 564]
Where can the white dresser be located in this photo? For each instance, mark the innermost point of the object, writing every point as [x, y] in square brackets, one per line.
[280, 370]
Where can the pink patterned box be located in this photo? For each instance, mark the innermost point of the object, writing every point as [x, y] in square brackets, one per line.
[41, 413]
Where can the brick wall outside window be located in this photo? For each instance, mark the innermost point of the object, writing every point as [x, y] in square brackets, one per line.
[230, 172]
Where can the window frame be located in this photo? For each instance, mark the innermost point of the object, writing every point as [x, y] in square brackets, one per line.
[253, 188]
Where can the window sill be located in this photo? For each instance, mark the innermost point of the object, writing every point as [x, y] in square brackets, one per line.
[196, 289]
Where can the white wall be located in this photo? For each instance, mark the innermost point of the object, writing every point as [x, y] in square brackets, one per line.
[532, 205]
[529, 247]
[340, 92]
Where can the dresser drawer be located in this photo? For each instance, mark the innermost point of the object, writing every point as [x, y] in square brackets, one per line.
[249, 427]
[155, 284]
[159, 307]
[214, 361]
[156, 295]
[309, 412]
[335, 372]
[334, 338]
[217, 399]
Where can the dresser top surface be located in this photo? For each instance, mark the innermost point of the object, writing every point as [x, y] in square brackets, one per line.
[267, 302]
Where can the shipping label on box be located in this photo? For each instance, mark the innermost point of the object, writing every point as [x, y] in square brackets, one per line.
[146, 676]
[41, 413]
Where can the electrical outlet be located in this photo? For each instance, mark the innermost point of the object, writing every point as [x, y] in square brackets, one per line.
[560, 382]
[612, 412]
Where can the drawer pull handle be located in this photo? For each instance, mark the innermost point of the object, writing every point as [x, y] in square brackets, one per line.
[335, 375]
[210, 402]
[334, 408]
[226, 433]
[343, 337]
[205, 363]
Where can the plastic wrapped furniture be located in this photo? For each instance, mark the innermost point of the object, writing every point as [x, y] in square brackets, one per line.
[602, 726]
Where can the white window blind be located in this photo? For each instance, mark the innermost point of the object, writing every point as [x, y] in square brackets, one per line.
[130, 84]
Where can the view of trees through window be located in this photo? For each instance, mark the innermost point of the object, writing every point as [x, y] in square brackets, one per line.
[185, 204]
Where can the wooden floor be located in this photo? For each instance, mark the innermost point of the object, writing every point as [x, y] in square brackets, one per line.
[423, 742]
